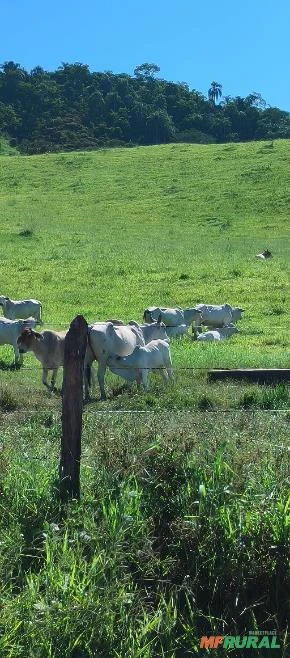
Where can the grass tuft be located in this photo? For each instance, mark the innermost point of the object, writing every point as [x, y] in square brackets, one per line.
[8, 399]
[26, 233]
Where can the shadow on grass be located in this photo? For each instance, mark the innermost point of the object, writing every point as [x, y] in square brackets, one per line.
[115, 392]
[9, 366]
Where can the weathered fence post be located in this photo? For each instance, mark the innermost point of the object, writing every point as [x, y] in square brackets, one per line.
[72, 408]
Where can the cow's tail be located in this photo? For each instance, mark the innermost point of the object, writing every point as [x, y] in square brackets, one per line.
[89, 365]
[88, 368]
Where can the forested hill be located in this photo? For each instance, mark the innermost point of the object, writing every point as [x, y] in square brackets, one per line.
[72, 108]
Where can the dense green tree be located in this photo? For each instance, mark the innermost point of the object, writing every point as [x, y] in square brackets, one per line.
[145, 71]
[72, 108]
[8, 119]
[273, 123]
[159, 128]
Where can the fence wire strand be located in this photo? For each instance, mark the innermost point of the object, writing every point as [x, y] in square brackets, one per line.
[98, 412]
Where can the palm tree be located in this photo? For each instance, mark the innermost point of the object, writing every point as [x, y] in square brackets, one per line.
[214, 92]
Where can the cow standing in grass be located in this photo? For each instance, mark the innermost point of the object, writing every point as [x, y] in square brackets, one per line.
[106, 340]
[153, 356]
[10, 330]
[173, 317]
[47, 347]
[26, 308]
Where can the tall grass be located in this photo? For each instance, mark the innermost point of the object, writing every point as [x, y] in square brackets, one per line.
[182, 530]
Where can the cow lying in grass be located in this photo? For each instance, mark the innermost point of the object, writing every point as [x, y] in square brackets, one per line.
[264, 255]
[218, 334]
[153, 356]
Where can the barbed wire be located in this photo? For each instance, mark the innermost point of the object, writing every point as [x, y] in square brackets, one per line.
[174, 326]
[122, 366]
[154, 412]
[188, 333]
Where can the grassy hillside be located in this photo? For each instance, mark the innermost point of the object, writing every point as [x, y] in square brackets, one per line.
[183, 525]
[109, 223]
[110, 232]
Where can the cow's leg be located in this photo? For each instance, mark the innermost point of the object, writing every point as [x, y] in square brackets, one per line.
[18, 358]
[53, 379]
[144, 379]
[44, 377]
[101, 380]
[138, 379]
[170, 373]
[39, 315]
[196, 328]
[168, 366]
[164, 374]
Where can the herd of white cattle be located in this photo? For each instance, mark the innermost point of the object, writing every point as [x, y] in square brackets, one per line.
[129, 350]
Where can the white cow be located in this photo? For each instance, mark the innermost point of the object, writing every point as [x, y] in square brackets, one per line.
[215, 315]
[180, 330]
[218, 334]
[48, 348]
[9, 332]
[105, 340]
[151, 331]
[170, 316]
[13, 308]
[173, 317]
[153, 356]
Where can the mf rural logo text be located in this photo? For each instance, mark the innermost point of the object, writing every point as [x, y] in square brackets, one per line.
[255, 640]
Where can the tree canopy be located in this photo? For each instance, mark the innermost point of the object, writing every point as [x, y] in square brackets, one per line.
[73, 108]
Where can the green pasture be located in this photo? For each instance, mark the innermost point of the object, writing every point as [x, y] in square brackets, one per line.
[183, 524]
[108, 233]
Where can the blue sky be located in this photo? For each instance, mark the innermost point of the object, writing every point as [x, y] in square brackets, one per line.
[243, 44]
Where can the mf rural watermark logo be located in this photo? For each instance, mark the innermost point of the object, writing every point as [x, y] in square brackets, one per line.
[254, 640]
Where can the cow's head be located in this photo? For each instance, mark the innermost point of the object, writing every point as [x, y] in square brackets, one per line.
[147, 317]
[267, 253]
[159, 323]
[27, 339]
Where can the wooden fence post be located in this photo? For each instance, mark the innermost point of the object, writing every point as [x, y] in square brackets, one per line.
[72, 408]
